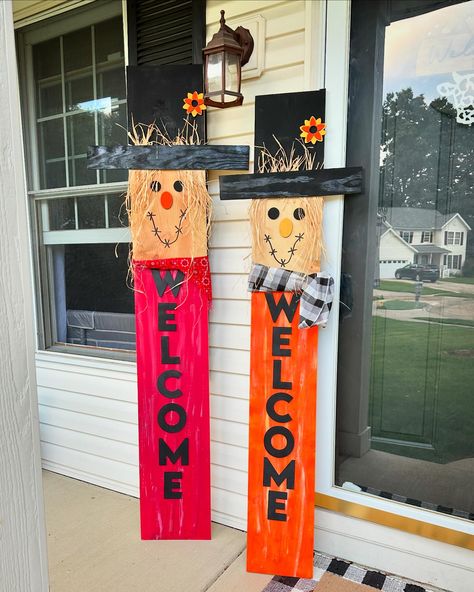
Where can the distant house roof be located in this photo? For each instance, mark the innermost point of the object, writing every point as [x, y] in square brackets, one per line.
[418, 219]
[429, 249]
[398, 237]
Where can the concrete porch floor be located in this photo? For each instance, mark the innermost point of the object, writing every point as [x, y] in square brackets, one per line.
[94, 545]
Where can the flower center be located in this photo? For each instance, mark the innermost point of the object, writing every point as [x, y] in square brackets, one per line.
[313, 129]
[194, 103]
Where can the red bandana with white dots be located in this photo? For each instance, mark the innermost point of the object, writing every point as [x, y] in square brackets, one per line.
[196, 269]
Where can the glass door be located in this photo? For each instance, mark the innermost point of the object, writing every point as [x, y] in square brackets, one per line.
[406, 364]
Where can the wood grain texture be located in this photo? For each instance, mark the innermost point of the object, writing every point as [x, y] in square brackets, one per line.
[235, 158]
[22, 536]
[173, 405]
[281, 466]
[343, 181]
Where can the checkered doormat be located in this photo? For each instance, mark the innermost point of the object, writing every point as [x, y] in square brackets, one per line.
[335, 575]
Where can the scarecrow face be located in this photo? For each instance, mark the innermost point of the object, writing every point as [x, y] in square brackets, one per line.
[285, 234]
[165, 222]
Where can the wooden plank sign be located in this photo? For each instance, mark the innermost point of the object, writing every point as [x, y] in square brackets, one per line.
[291, 298]
[176, 157]
[173, 405]
[168, 210]
[282, 437]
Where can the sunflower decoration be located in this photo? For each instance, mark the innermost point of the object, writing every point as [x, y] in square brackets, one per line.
[313, 130]
[194, 103]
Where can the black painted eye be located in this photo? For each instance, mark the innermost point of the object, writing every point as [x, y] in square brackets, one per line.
[178, 186]
[273, 213]
[299, 214]
[155, 185]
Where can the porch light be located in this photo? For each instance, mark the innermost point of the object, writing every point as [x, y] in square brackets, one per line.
[224, 56]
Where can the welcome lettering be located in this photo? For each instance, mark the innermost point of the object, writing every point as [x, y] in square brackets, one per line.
[282, 436]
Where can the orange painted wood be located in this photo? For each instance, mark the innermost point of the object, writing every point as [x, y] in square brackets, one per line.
[282, 546]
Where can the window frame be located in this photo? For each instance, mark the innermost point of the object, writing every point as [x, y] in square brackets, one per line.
[430, 236]
[409, 234]
[66, 22]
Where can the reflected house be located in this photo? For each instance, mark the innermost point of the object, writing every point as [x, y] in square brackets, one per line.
[422, 236]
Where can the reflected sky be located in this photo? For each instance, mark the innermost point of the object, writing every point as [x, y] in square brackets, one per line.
[423, 52]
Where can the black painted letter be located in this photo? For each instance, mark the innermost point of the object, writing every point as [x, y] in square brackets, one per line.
[172, 485]
[276, 307]
[277, 452]
[165, 317]
[272, 401]
[278, 383]
[274, 505]
[165, 352]
[180, 454]
[269, 473]
[161, 384]
[172, 428]
[278, 341]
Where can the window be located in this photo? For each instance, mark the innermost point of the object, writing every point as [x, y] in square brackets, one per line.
[405, 411]
[453, 261]
[426, 237]
[73, 74]
[407, 236]
[453, 238]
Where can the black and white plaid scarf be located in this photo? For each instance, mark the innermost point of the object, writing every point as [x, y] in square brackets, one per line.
[316, 290]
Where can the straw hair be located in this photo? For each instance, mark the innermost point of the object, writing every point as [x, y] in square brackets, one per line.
[281, 161]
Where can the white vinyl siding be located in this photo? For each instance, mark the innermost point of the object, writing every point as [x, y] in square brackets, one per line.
[88, 409]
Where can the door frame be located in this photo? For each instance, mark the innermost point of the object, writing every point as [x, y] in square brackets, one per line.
[410, 519]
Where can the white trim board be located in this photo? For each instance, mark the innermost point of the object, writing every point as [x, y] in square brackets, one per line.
[23, 553]
[394, 551]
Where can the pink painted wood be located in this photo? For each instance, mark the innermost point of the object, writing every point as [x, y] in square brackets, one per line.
[173, 407]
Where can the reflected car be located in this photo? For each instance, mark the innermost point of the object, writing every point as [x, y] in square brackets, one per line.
[417, 272]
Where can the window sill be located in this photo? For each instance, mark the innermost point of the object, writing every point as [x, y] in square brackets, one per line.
[90, 359]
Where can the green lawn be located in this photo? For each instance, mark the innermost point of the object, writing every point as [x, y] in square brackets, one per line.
[422, 389]
[459, 280]
[400, 286]
[401, 305]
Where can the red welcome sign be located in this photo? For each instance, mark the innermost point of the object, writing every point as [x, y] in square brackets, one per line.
[173, 405]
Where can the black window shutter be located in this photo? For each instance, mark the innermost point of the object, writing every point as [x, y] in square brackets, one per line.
[445, 238]
[462, 238]
[166, 31]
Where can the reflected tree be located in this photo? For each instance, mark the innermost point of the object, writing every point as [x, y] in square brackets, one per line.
[426, 159]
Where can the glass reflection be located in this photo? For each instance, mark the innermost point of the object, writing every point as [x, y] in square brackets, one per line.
[80, 100]
[421, 412]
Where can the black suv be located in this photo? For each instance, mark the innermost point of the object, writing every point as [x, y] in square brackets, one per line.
[417, 272]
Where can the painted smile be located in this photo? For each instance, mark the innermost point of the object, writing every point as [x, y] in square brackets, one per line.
[178, 228]
[292, 250]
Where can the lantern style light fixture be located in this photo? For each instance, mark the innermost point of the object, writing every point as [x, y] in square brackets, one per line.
[224, 56]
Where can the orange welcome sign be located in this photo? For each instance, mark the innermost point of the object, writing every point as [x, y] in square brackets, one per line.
[282, 438]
